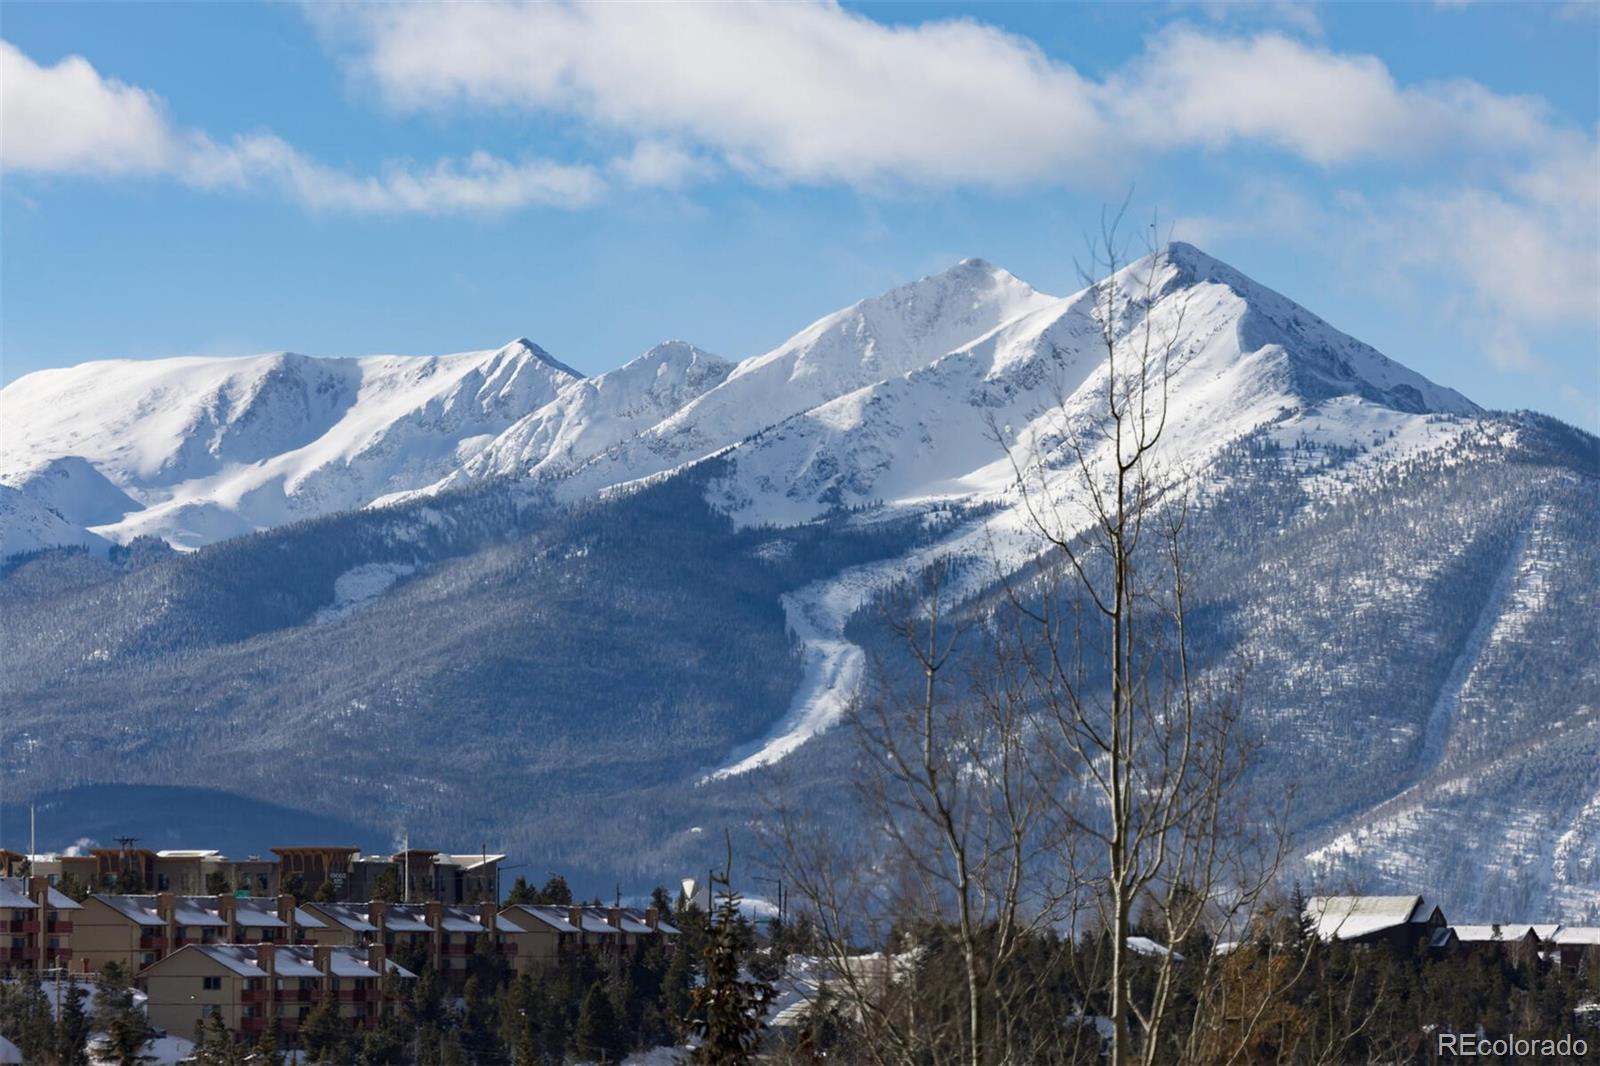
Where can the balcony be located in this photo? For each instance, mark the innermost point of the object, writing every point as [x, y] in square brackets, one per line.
[153, 943]
[255, 995]
[455, 949]
[22, 925]
[355, 995]
[62, 926]
[253, 1025]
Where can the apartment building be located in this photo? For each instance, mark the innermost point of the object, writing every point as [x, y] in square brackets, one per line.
[251, 987]
[447, 936]
[542, 935]
[36, 925]
[137, 931]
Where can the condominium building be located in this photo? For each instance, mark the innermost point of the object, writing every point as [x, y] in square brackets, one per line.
[254, 987]
[137, 931]
[36, 925]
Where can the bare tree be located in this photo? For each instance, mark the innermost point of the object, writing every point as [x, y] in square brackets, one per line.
[1145, 752]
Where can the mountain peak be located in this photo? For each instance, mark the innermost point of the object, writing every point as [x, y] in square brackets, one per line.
[523, 348]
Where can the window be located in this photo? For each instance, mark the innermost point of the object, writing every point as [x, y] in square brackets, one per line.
[333, 983]
[212, 984]
[303, 1012]
[163, 882]
[149, 957]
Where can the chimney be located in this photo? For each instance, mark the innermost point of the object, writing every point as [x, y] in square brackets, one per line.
[166, 905]
[320, 958]
[433, 912]
[228, 911]
[575, 916]
[652, 917]
[267, 958]
[39, 889]
[614, 917]
[286, 909]
[376, 957]
[377, 913]
[487, 914]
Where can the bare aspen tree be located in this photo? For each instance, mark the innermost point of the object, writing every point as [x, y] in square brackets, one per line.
[950, 814]
[1146, 755]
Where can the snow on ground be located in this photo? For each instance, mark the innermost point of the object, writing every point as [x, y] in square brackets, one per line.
[360, 585]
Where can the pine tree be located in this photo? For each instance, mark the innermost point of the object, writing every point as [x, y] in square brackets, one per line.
[556, 892]
[326, 893]
[677, 990]
[125, 1028]
[386, 886]
[322, 1035]
[730, 1013]
[267, 1053]
[72, 1027]
[596, 1037]
[520, 892]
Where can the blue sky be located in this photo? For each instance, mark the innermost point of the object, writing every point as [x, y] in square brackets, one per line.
[229, 179]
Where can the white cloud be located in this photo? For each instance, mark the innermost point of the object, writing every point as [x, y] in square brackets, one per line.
[800, 92]
[1195, 89]
[661, 164]
[67, 119]
[810, 92]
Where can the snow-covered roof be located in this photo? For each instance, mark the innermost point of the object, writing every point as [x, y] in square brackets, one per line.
[343, 915]
[58, 900]
[662, 925]
[521, 914]
[258, 913]
[461, 920]
[11, 899]
[1348, 917]
[1577, 934]
[188, 853]
[405, 918]
[1484, 934]
[469, 862]
[9, 1052]
[198, 910]
[594, 921]
[294, 960]
[139, 909]
[240, 958]
[306, 920]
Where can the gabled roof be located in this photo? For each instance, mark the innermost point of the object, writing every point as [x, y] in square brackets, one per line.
[662, 925]
[1486, 934]
[405, 918]
[523, 915]
[57, 900]
[1576, 935]
[594, 921]
[1349, 917]
[258, 913]
[343, 915]
[11, 899]
[138, 909]
[461, 920]
[239, 958]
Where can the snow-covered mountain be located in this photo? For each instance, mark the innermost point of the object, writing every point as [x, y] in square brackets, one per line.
[205, 449]
[1413, 575]
[889, 399]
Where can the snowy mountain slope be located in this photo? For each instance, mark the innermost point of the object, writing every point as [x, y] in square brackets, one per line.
[28, 525]
[1244, 356]
[74, 489]
[905, 328]
[212, 448]
[593, 414]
